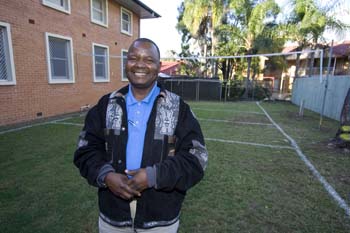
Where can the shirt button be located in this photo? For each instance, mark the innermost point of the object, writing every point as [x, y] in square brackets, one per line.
[137, 122]
[139, 104]
[119, 161]
[138, 112]
[123, 128]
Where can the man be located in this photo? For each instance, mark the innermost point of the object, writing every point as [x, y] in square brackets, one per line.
[143, 148]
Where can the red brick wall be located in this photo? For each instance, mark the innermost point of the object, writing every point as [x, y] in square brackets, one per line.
[33, 93]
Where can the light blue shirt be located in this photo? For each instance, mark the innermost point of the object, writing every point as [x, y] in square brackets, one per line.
[138, 114]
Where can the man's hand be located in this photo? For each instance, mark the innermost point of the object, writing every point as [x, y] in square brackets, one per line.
[139, 180]
[118, 184]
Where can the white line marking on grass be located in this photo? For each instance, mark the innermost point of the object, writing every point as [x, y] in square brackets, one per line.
[220, 110]
[248, 143]
[32, 125]
[235, 122]
[340, 201]
[67, 123]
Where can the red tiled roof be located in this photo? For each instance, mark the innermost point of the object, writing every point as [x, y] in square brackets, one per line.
[168, 66]
[288, 49]
[340, 49]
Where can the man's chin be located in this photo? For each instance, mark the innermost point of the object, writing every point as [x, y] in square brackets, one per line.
[142, 85]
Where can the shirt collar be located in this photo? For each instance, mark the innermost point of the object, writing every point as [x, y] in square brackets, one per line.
[130, 99]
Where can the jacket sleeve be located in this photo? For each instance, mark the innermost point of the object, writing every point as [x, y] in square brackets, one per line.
[186, 168]
[90, 155]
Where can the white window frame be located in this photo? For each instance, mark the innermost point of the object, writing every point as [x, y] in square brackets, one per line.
[58, 7]
[122, 65]
[12, 80]
[105, 13]
[107, 79]
[123, 10]
[71, 59]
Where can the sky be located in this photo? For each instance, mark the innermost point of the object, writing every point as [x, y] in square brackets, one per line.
[163, 32]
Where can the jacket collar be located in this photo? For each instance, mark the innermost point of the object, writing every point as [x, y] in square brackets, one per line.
[124, 90]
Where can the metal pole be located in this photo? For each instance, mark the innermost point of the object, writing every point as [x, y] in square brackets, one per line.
[321, 65]
[326, 84]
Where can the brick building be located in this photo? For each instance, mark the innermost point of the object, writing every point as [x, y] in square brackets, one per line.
[58, 56]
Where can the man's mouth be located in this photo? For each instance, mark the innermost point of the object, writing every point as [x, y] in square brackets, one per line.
[138, 73]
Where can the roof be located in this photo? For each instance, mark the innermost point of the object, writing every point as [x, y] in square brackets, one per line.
[168, 65]
[289, 49]
[139, 8]
[339, 50]
[342, 49]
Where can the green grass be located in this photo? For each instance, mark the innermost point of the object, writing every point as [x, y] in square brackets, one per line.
[245, 188]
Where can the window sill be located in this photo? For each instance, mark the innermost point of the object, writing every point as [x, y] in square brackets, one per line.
[99, 23]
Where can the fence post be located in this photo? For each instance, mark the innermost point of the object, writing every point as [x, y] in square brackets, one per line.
[326, 84]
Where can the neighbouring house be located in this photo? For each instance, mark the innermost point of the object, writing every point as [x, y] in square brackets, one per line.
[282, 78]
[61, 56]
[170, 68]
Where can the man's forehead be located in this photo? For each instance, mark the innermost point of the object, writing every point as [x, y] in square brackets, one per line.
[144, 44]
[144, 47]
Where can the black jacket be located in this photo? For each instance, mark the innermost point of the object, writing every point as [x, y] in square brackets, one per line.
[174, 148]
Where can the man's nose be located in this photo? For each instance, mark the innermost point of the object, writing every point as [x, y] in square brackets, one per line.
[140, 63]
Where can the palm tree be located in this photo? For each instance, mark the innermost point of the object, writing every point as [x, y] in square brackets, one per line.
[254, 25]
[309, 21]
[201, 18]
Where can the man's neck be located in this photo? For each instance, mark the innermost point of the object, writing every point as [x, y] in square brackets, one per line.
[140, 93]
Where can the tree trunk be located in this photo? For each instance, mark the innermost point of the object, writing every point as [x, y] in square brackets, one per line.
[297, 66]
[245, 95]
[311, 64]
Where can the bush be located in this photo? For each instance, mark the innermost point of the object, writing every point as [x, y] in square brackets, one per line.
[236, 91]
[259, 92]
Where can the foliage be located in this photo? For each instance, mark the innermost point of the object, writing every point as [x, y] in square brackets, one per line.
[235, 91]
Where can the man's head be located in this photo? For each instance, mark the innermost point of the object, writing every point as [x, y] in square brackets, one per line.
[143, 63]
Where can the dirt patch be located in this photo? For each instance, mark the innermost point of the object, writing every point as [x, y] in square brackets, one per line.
[329, 146]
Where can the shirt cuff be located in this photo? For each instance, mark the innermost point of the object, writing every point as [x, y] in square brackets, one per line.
[151, 176]
[105, 169]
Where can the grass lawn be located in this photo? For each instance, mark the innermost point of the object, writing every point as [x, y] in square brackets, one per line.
[246, 188]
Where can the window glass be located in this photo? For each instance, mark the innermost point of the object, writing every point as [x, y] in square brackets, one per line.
[61, 5]
[126, 22]
[99, 11]
[101, 66]
[7, 75]
[3, 57]
[60, 58]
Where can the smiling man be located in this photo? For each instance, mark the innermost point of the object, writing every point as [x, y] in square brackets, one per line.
[143, 148]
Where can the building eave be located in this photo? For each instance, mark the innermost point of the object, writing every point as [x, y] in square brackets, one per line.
[139, 8]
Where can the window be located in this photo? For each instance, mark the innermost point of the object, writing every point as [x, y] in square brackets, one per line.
[7, 66]
[99, 9]
[123, 63]
[126, 21]
[59, 58]
[100, 63]
[61, 5]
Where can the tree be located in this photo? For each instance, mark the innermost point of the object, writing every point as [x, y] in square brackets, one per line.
[253, 25]
[308, 22]
[201, 18]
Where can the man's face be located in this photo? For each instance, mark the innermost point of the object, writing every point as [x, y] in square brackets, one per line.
[142, 66]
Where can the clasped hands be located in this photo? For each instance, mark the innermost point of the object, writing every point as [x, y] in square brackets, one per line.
[127, 188]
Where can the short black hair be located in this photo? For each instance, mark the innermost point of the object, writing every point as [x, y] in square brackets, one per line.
[149, 41]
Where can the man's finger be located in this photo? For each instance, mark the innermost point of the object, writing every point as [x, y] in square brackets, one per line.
[131, 172]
